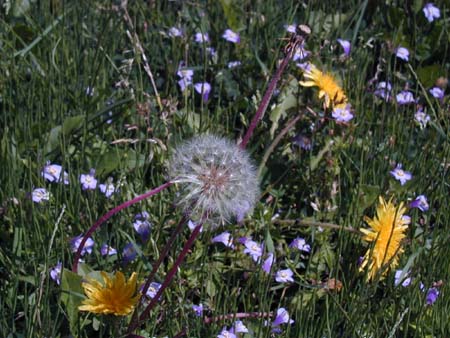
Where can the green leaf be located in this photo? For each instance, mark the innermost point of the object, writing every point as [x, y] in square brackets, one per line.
[234, 14]
[287, 100]
[72, 123]
[428, 74]
[71, 297]
[368, 195]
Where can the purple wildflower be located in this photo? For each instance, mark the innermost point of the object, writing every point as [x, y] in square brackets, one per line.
[175, 32]
[383, 90]
[437, 92]
[405, 97]
[211, 51]
[420, 202]
[225, 238]
[185, 75]
[203, 88]
[107, 250]
[40, 194]
[233, 64]
[253, 249]
[88, 181]
[268, 262]
[239, 327]
[198, 309]
[108, 188]
[300, 244]
[421, 118]
[406, 219]
[431, 12]
[142, 225]
[226, 334]
[300, 53]
[291, 28]
[303, 141]
[52, 173]
[201, 38]
[400, 175]
[432, 295]
[401, 277]
[342, 115]
[282, 317]
[129, 253]
[345, 44]
[55, 273]
[192, 225]
[88, 246]
[152, 289]
[402, 53]
[231, 36]
[284, 276]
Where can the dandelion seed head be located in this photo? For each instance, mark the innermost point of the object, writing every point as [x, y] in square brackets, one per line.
[216, 177]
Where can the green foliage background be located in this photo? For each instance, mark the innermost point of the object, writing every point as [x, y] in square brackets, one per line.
[55, 53]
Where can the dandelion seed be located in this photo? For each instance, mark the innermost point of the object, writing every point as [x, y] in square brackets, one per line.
[40, 194]
[231, 36]
[420, 202]
[284, 276]
[216, 176]
[346, 46]
[88, 246]
[225, 238]
[431, 12]
[55, 273]
[405, 97]
[115, 296]
[402, 53]
[300, 244]
[88, 181]
[107, 250]
[400, 175]
[387, 231]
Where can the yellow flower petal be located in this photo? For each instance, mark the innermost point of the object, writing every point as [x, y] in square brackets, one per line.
[388, 230]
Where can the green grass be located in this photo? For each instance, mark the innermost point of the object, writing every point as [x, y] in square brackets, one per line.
[53, 51]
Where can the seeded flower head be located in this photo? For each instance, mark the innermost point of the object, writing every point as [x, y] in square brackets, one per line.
[217, 178]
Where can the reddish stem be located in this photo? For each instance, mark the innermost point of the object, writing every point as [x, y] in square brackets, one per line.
[162, 255]
[169, 277]
[266, 99]
[111, 213]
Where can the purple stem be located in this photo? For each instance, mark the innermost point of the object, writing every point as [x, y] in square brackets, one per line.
[169, 277]
[162, 256]
[111, 213]
[265, 100]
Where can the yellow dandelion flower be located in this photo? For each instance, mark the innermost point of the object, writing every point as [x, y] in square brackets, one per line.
[115, 296]
[388, 230]
[328, 88]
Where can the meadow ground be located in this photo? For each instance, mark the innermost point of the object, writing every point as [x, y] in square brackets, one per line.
[331, 219]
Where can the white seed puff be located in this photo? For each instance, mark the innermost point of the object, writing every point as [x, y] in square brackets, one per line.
[217, 178]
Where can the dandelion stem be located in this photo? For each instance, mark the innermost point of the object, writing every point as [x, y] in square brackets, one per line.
[290, 50]
[162, 256]
[169, 277]
[111, 213]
